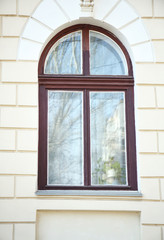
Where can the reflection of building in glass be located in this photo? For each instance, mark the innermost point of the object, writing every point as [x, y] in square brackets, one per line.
[114, 144]
[114, 134]
[107, 138]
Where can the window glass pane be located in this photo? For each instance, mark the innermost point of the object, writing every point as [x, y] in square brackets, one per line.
[106, 57]
[65, 138]
[65, 56]
[108, 141]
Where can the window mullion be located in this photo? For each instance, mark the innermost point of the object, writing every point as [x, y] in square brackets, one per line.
[85, 47]
[87, 171]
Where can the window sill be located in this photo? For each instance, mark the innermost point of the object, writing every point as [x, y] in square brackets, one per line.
[88, 193]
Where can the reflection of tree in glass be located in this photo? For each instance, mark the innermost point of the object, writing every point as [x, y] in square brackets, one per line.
[65, 56]
[65, 137]
[110, 172]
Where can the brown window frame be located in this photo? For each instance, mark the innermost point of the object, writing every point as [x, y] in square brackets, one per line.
[86, 82]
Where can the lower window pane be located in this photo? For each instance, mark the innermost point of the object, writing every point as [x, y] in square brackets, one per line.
[108, 139]
[65, 138]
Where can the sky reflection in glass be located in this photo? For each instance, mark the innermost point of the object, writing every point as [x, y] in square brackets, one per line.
[106, 57]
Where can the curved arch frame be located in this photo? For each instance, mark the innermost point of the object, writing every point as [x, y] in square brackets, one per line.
[86, 82]
[85, 32]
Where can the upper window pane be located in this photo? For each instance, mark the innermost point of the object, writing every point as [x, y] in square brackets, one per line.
[106, 57]
[64, 56]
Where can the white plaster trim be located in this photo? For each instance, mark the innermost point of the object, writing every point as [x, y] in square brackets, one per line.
[39, 31]
[61, 23]
[29, 50]
[122, 14]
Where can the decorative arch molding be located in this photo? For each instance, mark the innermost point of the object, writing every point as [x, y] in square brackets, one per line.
[117, 16]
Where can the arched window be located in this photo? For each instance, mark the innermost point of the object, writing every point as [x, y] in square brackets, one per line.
[86, 113]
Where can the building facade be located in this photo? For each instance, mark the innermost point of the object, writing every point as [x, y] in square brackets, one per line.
[26, 27]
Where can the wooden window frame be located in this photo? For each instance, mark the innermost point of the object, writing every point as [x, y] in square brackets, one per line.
[86, 82]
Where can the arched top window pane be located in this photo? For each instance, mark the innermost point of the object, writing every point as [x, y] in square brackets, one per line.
[106, 57]
[65, 55]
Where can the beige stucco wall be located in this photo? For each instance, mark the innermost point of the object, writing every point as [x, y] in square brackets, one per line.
[24, 31]
[88, 225]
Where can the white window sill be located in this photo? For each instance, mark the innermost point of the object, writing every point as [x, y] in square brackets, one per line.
[88, 193]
